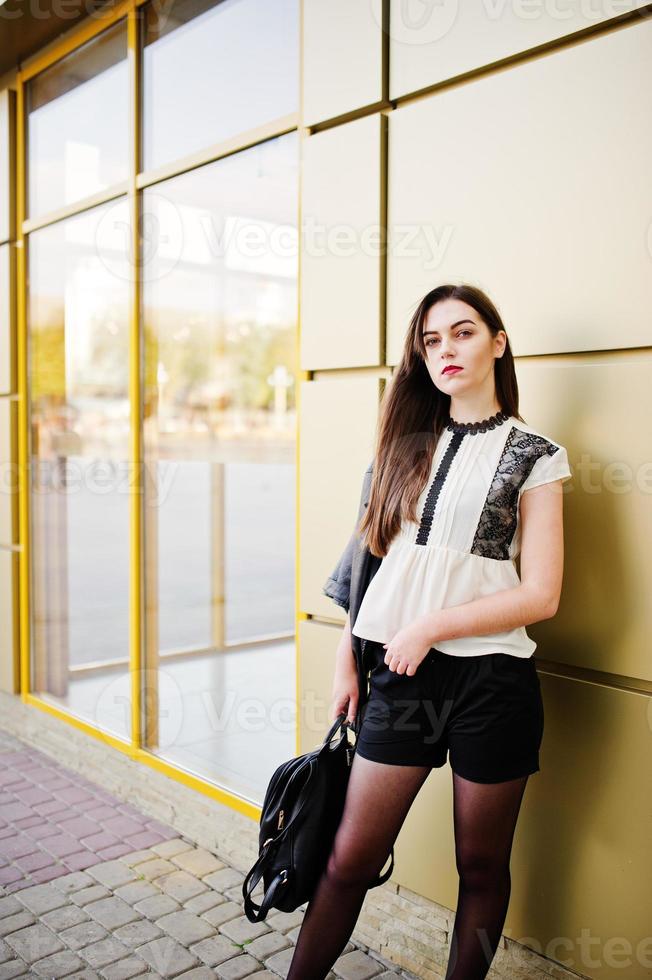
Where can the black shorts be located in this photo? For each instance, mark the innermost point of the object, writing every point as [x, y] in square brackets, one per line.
[486, 710]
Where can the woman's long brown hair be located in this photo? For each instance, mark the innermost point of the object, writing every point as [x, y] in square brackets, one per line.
[413, 413]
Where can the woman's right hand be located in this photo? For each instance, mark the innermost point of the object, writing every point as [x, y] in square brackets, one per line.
[345, 692]
[345, 681]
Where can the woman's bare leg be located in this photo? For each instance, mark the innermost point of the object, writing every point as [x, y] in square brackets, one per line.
[378, 799]
[485, 819]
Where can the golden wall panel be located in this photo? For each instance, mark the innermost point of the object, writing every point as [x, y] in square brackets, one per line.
[317, 645]
[598, 406]
[333, 457]
[430, 43]
[532, 183]
[342, 57]
[341, 263]
[8, 621]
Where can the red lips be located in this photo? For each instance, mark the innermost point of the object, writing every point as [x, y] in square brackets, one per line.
[452, 368]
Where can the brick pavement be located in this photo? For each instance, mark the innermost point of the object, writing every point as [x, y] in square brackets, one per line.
[92, 887]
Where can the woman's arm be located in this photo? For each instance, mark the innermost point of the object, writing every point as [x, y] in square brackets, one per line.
[344, 659]
[536, 598]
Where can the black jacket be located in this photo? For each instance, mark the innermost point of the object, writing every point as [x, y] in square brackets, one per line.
[347, 584]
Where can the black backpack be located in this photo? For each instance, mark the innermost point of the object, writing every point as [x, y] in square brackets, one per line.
[301, 812]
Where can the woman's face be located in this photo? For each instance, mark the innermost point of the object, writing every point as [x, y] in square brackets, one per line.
[454, 334]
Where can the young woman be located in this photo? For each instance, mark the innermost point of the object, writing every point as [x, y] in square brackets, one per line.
[461, 486]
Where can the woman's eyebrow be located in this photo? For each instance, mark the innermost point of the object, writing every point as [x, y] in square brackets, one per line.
[452, 327]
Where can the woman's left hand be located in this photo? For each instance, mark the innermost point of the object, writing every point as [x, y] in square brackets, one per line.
[407, 649]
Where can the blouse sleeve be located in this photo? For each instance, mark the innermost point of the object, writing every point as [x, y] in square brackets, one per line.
[548, 468]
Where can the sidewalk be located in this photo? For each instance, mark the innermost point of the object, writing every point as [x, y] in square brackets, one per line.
[92, 887]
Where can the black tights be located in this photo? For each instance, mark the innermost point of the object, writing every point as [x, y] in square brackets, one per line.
[377, 802]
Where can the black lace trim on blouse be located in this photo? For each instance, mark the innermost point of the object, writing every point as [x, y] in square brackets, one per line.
[499, 516]
[435, 488]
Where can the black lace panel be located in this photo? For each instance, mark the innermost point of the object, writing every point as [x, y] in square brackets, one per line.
[435, 488]
[499, 515]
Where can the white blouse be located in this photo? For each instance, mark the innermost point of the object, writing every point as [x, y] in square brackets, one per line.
[467, 536]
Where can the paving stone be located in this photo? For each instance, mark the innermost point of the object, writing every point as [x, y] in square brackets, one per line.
[284, 921]
[12, 968]
[136, 891]
[165, 831]
[114, 851]
[48, 874]
[41, 898]
[168, 849]
[241, 966]
[64, 918]
[19, 843]
[356, 966]
[138, 857]
[132, 966]
[268, 975]
[202, 903]
[199, 973]
[34, 862]
[185, 927]
[62, 845]
[225, 878]
[111, 912]
[156, 906]
[122, 825]
[234, 894]
[86, 974]
[91, 894]
[146, 838]
[58, 965]
[216, 949]
[83, 934]
[222, 913]
[181, 885]
[113, 874]
[5, 952]
[73, 882]
[241, 929]
[16, 811]
[8, 879]
[9, 906]
[102, 841]
[34, 943]
[79, 827]
[198, 862]
[154, 868]
[136, 933]
[81, 861]
[167, 956]
[12, 923]
[264, 946]
[280, 962]
[41, 830]
[106, 951]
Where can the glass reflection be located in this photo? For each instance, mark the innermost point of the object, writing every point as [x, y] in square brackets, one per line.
[220, 306]
[78, 351]
[213, 69]
[77, 124]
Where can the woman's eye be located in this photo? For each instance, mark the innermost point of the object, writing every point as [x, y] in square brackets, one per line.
[431, 340]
